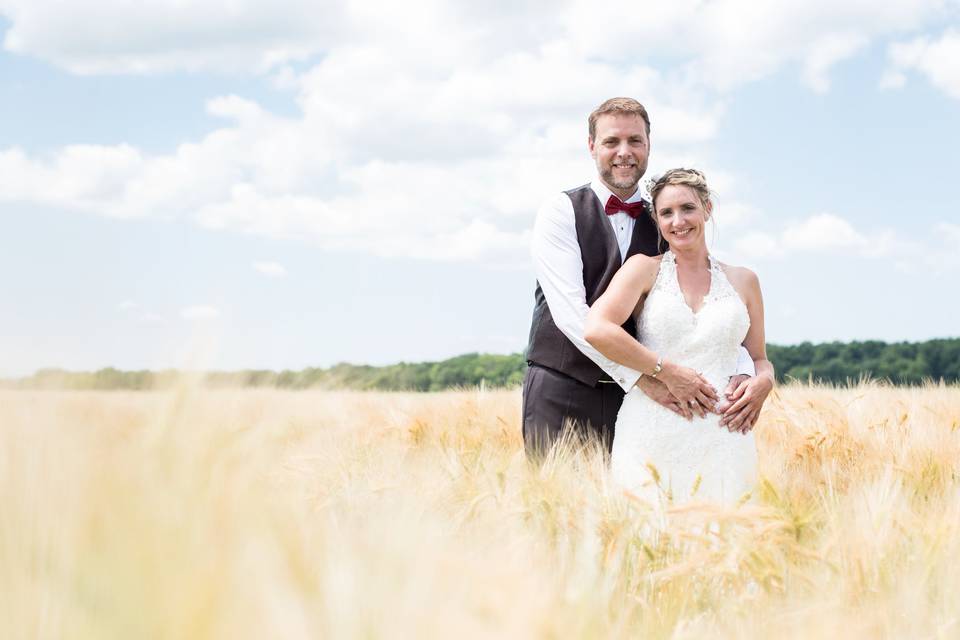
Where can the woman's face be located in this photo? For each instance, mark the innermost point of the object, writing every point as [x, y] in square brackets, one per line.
[681, 216]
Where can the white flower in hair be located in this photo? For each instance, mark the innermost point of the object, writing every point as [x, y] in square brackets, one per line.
[651, 183]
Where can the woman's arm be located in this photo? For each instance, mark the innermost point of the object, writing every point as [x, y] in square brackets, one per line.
[603, 329]
[749, 396]
[604, 332]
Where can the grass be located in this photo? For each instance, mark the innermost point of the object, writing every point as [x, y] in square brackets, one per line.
[199, 513]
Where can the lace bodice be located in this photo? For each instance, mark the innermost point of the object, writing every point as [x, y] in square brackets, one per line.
[708, 340]
[697, 455]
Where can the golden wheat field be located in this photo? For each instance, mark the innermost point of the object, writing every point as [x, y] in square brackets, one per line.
[199, 513]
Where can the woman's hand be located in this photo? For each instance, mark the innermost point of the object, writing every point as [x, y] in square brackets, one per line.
[744, 403]
[690, 388]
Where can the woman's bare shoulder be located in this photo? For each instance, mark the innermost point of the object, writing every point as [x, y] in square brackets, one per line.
[642, 266]
[642, 261]
[742, 278]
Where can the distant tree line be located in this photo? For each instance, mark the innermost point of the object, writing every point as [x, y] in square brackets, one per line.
[901, 363]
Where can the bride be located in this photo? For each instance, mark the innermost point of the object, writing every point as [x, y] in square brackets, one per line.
[693, 313]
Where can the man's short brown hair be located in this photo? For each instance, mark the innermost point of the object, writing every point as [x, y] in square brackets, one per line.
[627, 106]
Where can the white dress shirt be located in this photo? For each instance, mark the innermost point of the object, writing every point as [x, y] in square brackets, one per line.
[559, 269]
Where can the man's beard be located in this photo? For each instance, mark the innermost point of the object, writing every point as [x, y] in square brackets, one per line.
[626, 183]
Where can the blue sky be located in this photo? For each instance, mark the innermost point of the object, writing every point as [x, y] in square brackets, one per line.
[231, 184]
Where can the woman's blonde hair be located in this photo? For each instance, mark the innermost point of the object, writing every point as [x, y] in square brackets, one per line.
[681, 177]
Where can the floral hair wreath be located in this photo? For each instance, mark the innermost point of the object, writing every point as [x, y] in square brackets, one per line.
[650, 183]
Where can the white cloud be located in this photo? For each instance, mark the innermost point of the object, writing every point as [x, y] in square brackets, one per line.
[154, 36]
[378, 168]
[272, 269]
[892, 80]
[820, 233]
[826, 234]
[727, 43]
[938, 60]
[200, 312]
[732, 214]
[824, 53]
[944, 256]
[133, 310]
[758, 244]
[86, 177]
[398, 151]
[950, 233]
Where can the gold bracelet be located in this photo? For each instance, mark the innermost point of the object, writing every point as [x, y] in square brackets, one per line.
[657, 368]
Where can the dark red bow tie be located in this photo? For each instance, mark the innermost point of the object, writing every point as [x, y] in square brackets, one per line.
[633, 209]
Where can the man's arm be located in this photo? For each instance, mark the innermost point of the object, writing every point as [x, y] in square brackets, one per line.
[745, 366]
[559, 268]
[746, 400]
[745, 370]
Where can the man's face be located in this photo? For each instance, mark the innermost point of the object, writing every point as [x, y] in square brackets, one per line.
[620, 149]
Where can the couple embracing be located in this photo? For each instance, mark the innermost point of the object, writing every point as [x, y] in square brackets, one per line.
[640, 338]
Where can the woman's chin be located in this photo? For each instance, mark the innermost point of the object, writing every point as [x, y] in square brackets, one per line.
[684, 243]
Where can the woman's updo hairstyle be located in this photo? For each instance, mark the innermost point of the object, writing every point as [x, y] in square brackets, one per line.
[680, 177]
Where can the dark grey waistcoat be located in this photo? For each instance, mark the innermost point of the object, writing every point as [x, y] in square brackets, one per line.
[548, 347]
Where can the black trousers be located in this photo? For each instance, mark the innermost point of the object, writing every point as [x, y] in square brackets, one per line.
[552, 400]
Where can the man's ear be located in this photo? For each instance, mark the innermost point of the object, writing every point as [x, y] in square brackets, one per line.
[590, 145]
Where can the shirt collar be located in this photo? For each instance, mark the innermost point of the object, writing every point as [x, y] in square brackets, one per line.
[603, 192]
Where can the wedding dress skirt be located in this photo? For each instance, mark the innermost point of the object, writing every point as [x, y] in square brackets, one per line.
[658, 455]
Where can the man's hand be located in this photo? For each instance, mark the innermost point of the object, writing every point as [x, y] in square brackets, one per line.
[658, 392]
[744, 397]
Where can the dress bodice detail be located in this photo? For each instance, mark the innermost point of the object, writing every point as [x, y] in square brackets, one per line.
[707, 339]
[691, 457]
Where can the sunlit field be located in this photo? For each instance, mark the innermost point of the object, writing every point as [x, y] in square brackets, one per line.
[199, 513]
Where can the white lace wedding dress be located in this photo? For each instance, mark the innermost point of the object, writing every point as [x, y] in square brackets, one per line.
[699, 459]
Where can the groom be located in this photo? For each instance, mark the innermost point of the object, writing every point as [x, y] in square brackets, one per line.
[580, 239]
